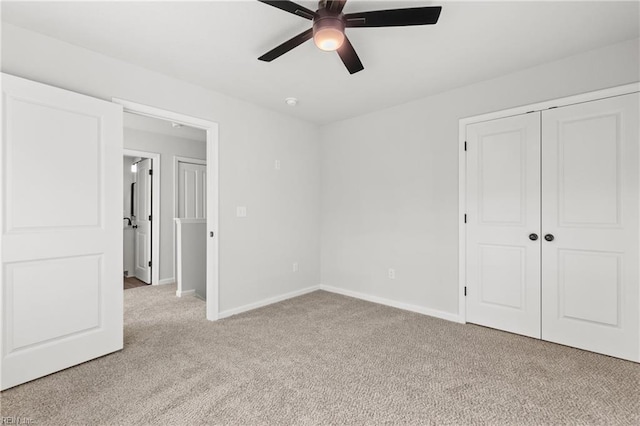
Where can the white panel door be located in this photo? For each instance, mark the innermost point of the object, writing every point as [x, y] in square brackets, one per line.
[192, 191]
[61, 257]
[503, 210]
[590, 192]
[143, 218]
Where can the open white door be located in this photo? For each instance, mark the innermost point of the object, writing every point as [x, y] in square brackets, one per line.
[143, 221]
[61, 251]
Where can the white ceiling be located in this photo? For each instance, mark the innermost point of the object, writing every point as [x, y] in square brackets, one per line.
[215, 45]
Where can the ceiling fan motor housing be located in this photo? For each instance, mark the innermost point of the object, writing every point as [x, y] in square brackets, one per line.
[325, 19]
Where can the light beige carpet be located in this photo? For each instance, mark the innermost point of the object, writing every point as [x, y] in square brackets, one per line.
[326, 359]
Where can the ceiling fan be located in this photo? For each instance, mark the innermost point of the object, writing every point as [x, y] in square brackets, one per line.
[329, 25]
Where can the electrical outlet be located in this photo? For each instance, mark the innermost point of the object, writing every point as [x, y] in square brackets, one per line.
[392, 274]
[276, 165]
[295, 266]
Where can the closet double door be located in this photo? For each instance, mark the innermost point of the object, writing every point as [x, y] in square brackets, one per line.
[553, 225]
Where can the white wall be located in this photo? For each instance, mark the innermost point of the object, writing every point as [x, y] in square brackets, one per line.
[389, 180]
[167, 146]
[388, 188]
[256, 252]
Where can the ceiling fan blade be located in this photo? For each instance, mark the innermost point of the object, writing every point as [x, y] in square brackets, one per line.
[291, 7]
[349, 57]
[287, 46]
[394, 17]
[336, 5]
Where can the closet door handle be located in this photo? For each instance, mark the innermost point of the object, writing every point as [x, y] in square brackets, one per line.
[549, 237]
[533, 237]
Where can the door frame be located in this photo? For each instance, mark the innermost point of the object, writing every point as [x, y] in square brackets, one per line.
[462, 165]
[211, 129]
[155, 208]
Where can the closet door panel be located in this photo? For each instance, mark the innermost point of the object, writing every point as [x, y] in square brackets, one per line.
[503, 209]
[590, 201]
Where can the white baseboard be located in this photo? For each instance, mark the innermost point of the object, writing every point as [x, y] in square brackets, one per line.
[265, 302]
[388, 302]
[167, 281]
[362, 296]
[185, 293]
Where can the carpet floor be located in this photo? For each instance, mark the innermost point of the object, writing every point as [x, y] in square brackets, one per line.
[326, 359]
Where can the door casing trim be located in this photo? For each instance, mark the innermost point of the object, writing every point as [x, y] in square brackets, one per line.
[211, 128]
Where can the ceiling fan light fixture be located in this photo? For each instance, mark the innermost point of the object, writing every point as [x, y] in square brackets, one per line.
[328, 32]
[328, 39]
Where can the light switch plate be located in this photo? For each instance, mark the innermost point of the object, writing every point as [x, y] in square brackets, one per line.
[241, 211]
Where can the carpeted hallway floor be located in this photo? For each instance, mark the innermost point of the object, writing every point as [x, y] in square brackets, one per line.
[326, 359]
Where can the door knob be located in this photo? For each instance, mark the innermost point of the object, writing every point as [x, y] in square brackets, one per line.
[549, 237]
[533, 237]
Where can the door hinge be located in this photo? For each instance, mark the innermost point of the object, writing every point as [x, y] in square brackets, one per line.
[150, 266]
[150, 171]
[465, 218]
[149, 218]
[465, 290]
[465, 145]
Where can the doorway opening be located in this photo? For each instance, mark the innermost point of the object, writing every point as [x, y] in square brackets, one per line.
[184, 228]
[140, 214]
[212, 202]
[190, 213]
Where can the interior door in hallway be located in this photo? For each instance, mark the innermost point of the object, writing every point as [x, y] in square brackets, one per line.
[192, 190]
[590, 295]
[143, 261]
[61, 248]
[503, 224]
